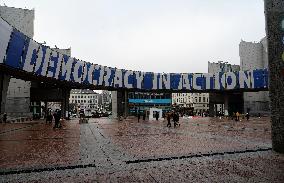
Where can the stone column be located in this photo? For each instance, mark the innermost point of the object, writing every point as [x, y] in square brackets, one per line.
[211, 109]
[4, 84]
[45, 109]
[114, 104]
[274, 14]
[226, 104]
[65, 102]
[119, 103]
[126, 107]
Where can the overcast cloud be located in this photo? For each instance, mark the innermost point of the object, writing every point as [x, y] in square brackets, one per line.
[148, 35]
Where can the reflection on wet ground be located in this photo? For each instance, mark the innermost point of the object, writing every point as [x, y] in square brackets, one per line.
[106, 150]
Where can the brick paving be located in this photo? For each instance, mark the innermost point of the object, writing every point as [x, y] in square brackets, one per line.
[105, 150]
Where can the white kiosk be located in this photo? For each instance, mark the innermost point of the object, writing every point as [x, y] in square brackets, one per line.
[153, 112]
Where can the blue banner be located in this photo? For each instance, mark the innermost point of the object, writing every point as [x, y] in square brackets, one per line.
[21, 53]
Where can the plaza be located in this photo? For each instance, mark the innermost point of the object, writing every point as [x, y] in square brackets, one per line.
[107, 150]
[122, 147]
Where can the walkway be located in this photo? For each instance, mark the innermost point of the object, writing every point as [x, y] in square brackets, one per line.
[104, 150]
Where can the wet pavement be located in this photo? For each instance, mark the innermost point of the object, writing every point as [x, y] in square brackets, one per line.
[105, 150]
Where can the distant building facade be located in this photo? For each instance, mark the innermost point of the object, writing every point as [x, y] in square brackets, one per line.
[84, 99]
[254, 56]
[143, 101]
[198, 101]
[182, 99]
[105, 102]
[222, 66]
[217, 100]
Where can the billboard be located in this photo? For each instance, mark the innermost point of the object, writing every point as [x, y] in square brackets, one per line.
[19, 52]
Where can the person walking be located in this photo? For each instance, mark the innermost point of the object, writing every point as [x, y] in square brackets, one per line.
[169, 119]
[5, 118]
[157, 115]
[57, 116]
[237, 116]
[247, 116]
[138, 116]
[144, 116]
[175, 119]
[178, 124]
[49, 117]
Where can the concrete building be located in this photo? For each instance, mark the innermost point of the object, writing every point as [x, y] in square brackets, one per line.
[105, 100]
[18, 91]
[143, 101]
[182, 99]
[254, 56]
[222, 66]
[198, 101]
[219, 102]
[84, 99]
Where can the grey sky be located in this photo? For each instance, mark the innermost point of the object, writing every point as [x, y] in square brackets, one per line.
[148, 35]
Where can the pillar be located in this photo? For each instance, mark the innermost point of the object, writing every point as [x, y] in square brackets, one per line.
[211, 109]
[126, 106]
[65, 102]
[274, 15]
[114, 104]
[45, 109]
[4, 83]
[226, 104]
[119, 103]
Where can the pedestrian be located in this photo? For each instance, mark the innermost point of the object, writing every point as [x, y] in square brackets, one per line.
[247, 116]
[5, 118]
[233, 116]
[175, 116]
[237, 116]
[57, 116]
[138, 116]
[258, 115]
[169, 119]
[177, 119]
[144, 116]
[157, 115]
[49, 117]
